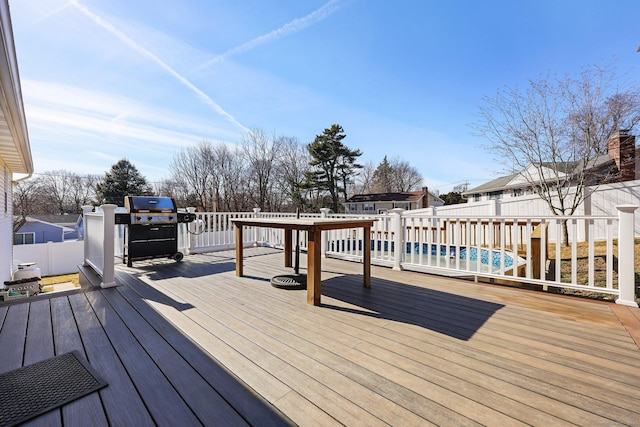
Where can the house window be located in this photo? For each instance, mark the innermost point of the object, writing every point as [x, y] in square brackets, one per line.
[368, 207]
[517, 192]
[495, 195]
[402, 205]
[24, 238]
[477, 197]
[353, 207]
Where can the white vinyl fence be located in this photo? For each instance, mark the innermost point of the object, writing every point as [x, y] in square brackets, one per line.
[51, 258]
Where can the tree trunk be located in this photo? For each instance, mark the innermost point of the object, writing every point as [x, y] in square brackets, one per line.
[565, 233]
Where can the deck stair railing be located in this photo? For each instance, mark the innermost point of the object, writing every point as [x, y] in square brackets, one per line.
[99, 242]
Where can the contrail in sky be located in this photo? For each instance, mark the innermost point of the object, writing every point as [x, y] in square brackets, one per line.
[294, 26]
[135, 46]
[53, 12]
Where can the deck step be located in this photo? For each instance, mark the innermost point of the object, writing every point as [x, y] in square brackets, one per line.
[88, 277]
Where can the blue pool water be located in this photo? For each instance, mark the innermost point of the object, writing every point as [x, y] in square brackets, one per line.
[342, 245]
[472, 254]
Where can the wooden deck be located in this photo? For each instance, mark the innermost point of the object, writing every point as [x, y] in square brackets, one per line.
[190, 343]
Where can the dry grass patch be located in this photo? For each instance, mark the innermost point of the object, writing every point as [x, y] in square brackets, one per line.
[49, 282]
[599, 266]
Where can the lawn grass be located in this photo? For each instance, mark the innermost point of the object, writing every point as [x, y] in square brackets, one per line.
[49, 281]
[582, 270]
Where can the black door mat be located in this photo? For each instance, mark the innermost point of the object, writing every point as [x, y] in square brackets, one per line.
[35, 389]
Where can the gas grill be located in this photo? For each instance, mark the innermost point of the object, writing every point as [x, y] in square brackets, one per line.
[151, 228]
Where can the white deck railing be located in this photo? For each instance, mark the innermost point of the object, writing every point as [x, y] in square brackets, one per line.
[99, 243]
[499, 249]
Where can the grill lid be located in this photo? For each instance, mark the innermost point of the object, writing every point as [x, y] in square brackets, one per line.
[136, 204]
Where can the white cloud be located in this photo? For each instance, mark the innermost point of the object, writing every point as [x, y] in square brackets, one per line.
[66, 109]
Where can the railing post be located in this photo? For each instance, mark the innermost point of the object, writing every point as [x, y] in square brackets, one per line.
[85, 210]
[626, 256]
[256, 231]
[398, 238]
[109, 224]
[192, 235]
[324, 213]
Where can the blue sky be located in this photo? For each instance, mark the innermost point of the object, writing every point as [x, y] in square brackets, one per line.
[104, 80]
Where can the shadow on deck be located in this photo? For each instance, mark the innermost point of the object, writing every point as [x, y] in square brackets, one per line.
[399, 302]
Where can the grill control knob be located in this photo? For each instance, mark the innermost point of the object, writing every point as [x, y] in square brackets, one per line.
[150, 218]
[138, 218]
[170, 218]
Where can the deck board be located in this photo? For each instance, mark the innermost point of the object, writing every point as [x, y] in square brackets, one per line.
[197, 393]
[445, 351]
[154, 387]
[357, 359]
[193, 344]
[254, 411]
[266, 346]
[39, 346]
[13, 336]
[87, 410]
[120, 398]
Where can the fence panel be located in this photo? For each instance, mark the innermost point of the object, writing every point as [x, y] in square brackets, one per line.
[52, 258]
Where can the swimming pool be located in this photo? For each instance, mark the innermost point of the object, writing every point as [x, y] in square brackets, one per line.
[465, 252]
[439, 253]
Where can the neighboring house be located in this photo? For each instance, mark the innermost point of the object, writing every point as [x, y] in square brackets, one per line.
[36, 230]
[15, 151]
[618, 165]
[72, 223]
[382, 202]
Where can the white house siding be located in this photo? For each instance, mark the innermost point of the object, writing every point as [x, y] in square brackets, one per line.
[531, 205]
[604, 199]
[6, 229]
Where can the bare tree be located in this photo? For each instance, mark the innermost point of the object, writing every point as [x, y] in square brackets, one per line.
[194, 173]
[405, 176]
[293, 165]
[57, 185]
[364, 179]
[260, 153]
[553, 132]
[395, 175]
[383, 177]
[82, 192]
[53, 192]
[27, 200]
[177, 191]
[234, 194]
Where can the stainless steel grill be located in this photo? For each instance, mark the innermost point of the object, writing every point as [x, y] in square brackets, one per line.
[152, 228]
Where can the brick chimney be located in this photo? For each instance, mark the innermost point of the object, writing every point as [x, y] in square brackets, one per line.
[622, 150]
[425, 197]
